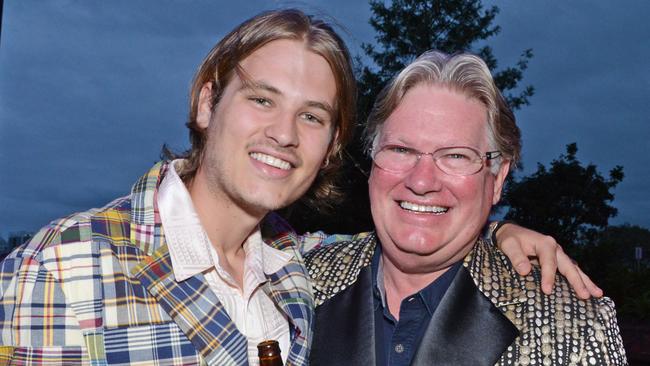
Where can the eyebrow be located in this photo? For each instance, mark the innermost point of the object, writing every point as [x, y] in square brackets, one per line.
[252, 85]
[259, 85]
[324, 106]
[390, 138]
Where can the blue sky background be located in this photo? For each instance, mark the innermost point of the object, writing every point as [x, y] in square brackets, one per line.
[90, 90]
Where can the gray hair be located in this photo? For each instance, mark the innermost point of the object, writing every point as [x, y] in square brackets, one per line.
[462, 72]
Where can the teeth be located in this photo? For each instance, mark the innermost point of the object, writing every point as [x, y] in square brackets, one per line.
[422, 208]
[270, 160]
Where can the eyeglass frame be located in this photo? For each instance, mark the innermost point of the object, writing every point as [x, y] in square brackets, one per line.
[484, 158]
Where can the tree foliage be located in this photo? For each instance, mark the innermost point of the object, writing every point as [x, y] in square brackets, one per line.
[610, 262]
[404, 30]
[408, 28]
[567, 200]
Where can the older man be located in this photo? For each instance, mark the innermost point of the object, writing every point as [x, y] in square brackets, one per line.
[425, 289]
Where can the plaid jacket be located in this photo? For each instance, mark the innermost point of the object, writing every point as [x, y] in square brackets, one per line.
[97, 288]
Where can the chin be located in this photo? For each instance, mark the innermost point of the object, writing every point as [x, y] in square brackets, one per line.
[269, 204]
[413, 240]
[411, 262]
[407, 250]
[259, 203]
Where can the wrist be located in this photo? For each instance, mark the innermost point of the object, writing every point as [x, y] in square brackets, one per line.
[494, 228]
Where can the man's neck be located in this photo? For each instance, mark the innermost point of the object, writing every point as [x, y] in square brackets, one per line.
[226, 224]
[407, 275]
[400, 285]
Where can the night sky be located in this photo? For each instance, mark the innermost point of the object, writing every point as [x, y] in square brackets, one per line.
[90, 90]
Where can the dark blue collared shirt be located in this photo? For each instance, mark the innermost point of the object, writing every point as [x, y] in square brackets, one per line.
[397, 341]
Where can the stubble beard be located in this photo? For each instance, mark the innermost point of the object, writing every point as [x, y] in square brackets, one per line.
[225, 190]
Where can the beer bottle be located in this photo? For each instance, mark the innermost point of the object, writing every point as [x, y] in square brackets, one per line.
[269, 353]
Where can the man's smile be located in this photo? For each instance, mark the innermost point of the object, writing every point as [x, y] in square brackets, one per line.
[270, 160]
[410, 206]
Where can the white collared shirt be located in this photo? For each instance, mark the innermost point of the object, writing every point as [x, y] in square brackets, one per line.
[251, 309]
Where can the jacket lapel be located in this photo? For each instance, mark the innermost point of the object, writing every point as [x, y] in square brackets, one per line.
[195, 309]
[146, 228]
[346, 332]
[290, 290]
[190, 303]
[290, 287]
[466, 329]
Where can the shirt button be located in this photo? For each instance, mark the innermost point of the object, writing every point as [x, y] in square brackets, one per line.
[399, 348]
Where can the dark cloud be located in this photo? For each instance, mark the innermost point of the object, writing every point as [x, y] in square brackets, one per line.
[89, 91]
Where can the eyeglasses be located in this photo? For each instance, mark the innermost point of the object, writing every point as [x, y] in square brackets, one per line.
[459, 161]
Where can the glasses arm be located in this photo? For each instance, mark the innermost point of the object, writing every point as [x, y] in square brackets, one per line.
[492, 155]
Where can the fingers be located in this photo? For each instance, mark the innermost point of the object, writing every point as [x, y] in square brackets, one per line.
[518, 258]
[579, 281]
[548, 261]
[519, 244]
[573, 274]
[594, 290]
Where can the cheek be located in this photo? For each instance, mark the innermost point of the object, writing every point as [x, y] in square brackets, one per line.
[315, 145]
[380, 186]
[487, 189]
[240, 121]
[377, 186]
[468, 188]
[476, 195]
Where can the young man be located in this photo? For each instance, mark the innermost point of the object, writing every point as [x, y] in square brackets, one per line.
[193, 267]
[185, 270]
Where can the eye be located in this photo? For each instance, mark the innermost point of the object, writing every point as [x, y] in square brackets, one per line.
[261, 101]
[398, 149]
[457, 156]
[309, 117]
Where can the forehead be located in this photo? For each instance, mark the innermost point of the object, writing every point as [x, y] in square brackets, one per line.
[293, 71]
[437, 116]
[289, 57]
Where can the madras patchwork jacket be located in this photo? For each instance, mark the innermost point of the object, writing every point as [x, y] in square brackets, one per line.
[97, 288]
[489, 315]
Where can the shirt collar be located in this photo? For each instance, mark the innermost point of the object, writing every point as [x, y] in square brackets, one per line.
[189, 246]
[378, 288]
[430, 295]
[261, 259]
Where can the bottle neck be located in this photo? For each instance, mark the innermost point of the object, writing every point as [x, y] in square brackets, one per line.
[269, 353]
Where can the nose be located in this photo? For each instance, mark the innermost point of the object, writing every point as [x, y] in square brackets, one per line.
[283, 130]
[425, 177]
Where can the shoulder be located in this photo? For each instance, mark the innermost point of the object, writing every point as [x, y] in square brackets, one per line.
[67, 231]
[314, 240]
[279, 235]
[336, 266]
[559, 327]
[497, 279]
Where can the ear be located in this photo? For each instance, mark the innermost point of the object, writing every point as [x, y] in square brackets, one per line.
[204, 109]
[499, 180]
[331, 149]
